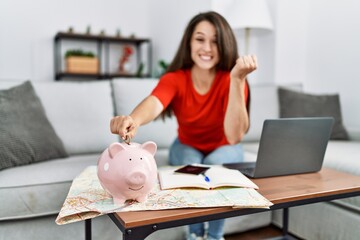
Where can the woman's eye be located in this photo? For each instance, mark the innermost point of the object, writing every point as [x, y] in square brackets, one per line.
[199, 39]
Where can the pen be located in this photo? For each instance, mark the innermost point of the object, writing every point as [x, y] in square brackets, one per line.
[207, 179]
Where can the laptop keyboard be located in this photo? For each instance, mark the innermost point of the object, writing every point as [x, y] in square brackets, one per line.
[247, 168]
[247, 171]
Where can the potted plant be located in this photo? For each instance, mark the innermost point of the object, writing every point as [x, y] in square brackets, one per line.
[79, 61]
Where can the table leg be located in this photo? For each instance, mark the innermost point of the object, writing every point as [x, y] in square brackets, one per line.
[88, 229]
[285, 227]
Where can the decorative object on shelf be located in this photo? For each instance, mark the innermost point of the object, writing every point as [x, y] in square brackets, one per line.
[79, 61]
[71, 30]
[118, 32]
[124, 64]
[139, 71]
[163, 66]
[102, 32]
[78, 53]
[132, 36]
[88, 30]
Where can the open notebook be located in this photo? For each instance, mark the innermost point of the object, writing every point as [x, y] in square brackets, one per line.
[214, 177]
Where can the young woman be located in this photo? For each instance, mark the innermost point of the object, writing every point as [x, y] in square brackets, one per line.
[206, 88]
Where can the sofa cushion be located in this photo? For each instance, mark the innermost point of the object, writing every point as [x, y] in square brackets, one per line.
[128, 93]
[162, 156]
[80, 113]
[39, 189]
[26, 135]
[250, 151]
[263, 105]
[344, 156]
[297, 104]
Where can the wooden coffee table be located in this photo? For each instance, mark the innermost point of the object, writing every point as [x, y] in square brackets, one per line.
[284, 192]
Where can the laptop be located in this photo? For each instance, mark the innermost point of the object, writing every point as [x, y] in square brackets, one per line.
[289, 146]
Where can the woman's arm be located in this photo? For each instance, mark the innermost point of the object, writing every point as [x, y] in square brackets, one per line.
[236, 121]
[145, 112]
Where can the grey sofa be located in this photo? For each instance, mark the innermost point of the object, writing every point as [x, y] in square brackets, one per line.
[32, 195]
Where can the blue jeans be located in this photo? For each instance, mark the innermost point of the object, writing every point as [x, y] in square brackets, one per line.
[181, 154]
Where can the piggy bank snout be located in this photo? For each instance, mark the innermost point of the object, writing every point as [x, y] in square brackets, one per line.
[136, 178]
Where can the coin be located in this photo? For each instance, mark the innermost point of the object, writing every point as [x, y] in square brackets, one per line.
[127, 140]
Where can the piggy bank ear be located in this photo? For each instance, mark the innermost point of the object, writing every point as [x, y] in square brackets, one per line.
[150, 147]
[115, 148]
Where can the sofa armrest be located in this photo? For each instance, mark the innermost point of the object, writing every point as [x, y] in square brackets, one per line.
[264, 104]
[354, 134]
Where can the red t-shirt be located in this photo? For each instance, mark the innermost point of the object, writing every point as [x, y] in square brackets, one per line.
[200, 117]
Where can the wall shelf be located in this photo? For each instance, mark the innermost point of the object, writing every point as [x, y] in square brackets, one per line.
[103, 43]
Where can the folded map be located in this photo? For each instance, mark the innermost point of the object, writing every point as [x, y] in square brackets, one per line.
[87, 199]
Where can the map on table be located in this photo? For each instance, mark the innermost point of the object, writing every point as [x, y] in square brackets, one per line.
[87, 199]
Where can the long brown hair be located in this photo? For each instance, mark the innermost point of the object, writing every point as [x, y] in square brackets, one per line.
[226, 44]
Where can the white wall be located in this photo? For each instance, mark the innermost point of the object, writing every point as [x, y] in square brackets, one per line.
[314, 42]
[167, 24]
[291, 39]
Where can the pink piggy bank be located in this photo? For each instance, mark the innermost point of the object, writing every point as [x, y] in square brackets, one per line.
[128, 171]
